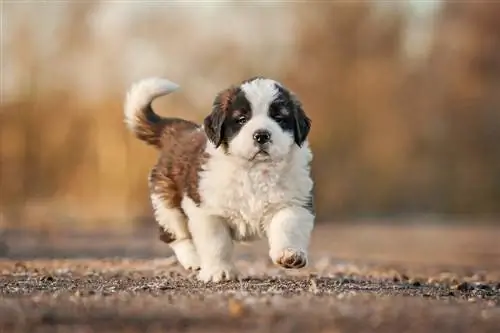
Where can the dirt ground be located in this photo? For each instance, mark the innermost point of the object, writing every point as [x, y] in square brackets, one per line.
[361, 278]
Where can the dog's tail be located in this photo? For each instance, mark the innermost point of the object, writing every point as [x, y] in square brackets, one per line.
[139, 115]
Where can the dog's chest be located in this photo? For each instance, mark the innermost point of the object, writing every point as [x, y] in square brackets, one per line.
[246, 198]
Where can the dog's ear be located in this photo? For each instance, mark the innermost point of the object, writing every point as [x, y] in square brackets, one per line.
[302, 124]
[214, 122]
[214, 125]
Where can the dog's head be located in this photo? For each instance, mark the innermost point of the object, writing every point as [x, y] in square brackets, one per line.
[258, 120]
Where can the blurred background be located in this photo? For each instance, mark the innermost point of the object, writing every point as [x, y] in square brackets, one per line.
[404, 97]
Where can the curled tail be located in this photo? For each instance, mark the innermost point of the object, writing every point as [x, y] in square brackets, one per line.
[139, 115]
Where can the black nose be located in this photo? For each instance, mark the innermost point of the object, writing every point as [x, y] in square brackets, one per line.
[262, 136]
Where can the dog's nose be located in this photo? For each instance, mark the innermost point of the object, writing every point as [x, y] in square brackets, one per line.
[262, 136]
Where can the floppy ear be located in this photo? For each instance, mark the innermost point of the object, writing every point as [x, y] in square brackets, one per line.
[214, 122]
[302, 124]
[213, 125]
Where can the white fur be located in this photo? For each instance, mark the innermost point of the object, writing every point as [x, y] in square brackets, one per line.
[186, 253]
[242, 190]
[244, 199]
[173, 220]
[213, 242]
[142, 93]
[241, 199]
[169, 218]
[289, 232]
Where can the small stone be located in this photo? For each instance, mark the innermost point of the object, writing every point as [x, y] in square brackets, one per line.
[479, 277]
[236, 308]
[346, 280]
[313, 287]
[485, 314]
[491, 303]
[447, 276]
[464, 286]
[48, 278]
[165, 287]
[416, 283]
[20, 265]
[482, 286]
[432, 280]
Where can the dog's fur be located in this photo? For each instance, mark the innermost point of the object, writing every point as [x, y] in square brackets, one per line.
[215, 183]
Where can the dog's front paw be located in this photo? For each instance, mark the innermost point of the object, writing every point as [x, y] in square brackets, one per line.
[290, 258]
[189, 261]
[217, 273]
[186, 254]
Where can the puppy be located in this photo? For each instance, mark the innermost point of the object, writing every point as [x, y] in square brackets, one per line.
[242, 175]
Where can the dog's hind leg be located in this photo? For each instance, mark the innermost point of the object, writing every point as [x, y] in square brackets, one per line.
[174, 231]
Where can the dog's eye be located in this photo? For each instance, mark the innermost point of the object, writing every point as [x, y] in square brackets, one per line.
[280, 120]
[241, 120]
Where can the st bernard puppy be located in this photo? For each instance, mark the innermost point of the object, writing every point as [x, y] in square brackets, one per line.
[242, 175]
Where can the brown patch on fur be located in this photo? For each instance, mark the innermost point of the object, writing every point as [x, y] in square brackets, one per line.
[150, 127]
[182, 157]
[225, 98]
[182, 153]
[221, 110]
[166, 235]
[177, 170]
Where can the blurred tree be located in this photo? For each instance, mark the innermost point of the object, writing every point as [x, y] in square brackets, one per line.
[350, 70]
[390, 135]
[463, 85]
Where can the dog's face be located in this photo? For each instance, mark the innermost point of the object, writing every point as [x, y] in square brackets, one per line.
[259, 120]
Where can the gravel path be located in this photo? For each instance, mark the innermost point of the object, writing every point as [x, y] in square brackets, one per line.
[123, 295]
[362, 278]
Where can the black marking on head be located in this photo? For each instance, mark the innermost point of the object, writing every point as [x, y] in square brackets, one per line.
[230, 111]
[238, 114]
[287, 111]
